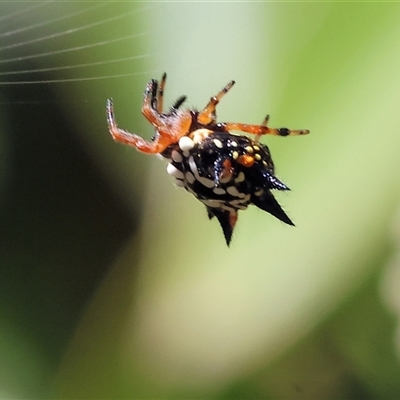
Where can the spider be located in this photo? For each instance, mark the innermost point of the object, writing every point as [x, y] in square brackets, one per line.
[225, 171]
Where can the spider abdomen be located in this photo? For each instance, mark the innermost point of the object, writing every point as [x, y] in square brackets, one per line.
[226, 173]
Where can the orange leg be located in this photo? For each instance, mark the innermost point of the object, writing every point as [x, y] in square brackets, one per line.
[149, 109]
[169, 128]
[261, 129]
[208, 115]
[131, 139]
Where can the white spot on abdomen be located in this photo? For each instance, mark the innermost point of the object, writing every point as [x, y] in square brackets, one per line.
[218, 143]
[219, 191]
[176, 156]
[240, 178]
[179, 183]
[190, 177]
[172, 170]
[234, 192]
[185, 143]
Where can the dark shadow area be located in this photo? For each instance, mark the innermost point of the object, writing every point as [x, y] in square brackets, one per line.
[61, 227]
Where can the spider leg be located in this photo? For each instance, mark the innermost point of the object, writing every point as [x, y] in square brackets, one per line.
[259, 130]
[178, 103]
[160, 94]
[208, 115]
[264, 123]
[169, 128]
[159, 98]
[150, 106]
[151, 87]
[131, 139]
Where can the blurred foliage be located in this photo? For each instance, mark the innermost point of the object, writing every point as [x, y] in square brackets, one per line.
[115, 284]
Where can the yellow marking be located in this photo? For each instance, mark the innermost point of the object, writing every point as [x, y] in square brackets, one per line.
[257, 157]
[240, 178]
[199, 134]
[256, 148]
[235, 155]
[249, 149]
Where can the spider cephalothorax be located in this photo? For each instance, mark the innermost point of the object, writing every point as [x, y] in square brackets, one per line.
[226, 172]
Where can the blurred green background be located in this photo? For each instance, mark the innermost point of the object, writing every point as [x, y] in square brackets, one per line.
[114, 283]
